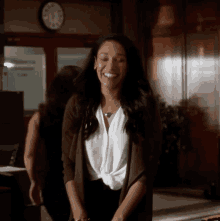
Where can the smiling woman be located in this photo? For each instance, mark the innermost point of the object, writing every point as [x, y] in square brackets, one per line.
[121, 131]
[111, 64]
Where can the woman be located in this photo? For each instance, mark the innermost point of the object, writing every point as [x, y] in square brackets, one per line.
[43, 147]
[111, 136]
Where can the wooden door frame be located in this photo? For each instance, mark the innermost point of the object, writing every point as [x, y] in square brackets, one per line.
[50, 43]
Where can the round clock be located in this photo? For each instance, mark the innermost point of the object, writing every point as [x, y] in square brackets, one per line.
[51, 16]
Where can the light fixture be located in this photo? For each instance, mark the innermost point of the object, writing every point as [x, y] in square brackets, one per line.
[166, 16]
[9, 64]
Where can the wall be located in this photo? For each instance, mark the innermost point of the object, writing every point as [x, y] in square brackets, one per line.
[22, 16]
[167, 68]
[80, 18]
[202, 62]
[198, 81]
[72, 56]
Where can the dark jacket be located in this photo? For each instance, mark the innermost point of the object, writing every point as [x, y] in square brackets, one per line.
[142, 159]
[53, 189]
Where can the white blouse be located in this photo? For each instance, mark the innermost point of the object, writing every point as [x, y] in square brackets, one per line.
[106, 151]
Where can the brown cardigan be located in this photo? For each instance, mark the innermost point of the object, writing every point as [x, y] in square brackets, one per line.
[142, 161]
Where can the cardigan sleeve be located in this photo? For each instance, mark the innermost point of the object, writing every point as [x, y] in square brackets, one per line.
[156, 139]
[67, 138]
[152, 142]
[143, 179]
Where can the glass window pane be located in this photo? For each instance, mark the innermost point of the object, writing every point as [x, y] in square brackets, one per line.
[72, 56]
[24, 70]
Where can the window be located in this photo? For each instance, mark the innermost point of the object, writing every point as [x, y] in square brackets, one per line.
[24, 70]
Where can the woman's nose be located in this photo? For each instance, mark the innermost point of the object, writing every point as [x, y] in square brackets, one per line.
[111, 66]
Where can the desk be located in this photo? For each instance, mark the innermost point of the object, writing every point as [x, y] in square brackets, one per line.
[5, 203]
[17, 179]
[10, 169]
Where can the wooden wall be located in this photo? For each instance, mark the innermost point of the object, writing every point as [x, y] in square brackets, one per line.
[185, 65]
[2, 41]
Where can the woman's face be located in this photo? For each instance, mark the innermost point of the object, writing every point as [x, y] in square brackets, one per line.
[111, 64]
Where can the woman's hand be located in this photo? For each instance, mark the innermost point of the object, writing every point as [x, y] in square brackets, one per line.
[118, 217]
[35, 193]
[80, 214]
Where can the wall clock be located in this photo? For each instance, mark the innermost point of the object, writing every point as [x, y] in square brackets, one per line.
[51, 16]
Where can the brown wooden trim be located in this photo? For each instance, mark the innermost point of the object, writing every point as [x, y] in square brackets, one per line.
[2, 6]
[91, 2]
[177, 31]
[57, 39]
[51, 63]
[50, 35]
[117, 18]
[166, 31]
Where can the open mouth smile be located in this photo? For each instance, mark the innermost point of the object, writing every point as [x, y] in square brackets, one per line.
[108, 75]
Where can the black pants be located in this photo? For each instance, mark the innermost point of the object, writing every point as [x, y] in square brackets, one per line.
[101, 202]
[56, 202]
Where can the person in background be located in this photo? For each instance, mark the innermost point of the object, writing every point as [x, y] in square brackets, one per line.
[112, 136]
[42, 155]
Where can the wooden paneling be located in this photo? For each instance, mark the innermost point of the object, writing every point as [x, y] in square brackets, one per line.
[80, 1]
[1, 42]
[129, 9]
[12, 121]
[51, 63]
[80, 18]
[56, 40]
[116, 18]
[186, 65]
[11, 117]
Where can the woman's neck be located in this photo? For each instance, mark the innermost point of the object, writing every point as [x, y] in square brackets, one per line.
[110, 96]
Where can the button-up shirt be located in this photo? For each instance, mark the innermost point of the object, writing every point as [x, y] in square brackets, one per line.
[106, 150]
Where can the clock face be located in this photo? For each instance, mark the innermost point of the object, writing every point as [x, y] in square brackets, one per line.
[52, 15]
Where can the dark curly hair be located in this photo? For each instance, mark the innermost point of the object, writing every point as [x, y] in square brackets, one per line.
[59, 92]
[136, 96]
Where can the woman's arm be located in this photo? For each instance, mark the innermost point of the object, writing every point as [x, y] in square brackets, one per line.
[68, 164]
[139, 188]
[132, 199]
[32, 151]
[31, 145]
[75, 202]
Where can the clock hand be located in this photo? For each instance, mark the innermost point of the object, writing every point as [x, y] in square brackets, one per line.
[55, 18]
[51, 20]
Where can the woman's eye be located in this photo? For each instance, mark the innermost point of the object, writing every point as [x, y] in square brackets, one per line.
[121, 60]
[104, 59]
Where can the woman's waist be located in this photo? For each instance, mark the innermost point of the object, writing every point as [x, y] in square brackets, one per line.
[100, 185]
[96, 173]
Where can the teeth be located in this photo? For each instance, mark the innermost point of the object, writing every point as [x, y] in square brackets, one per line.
[109, 75]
